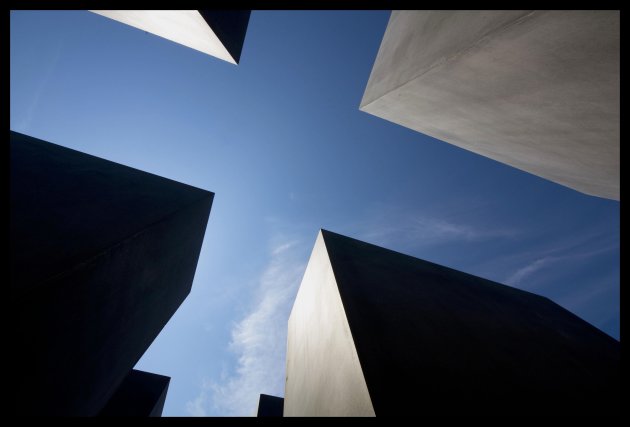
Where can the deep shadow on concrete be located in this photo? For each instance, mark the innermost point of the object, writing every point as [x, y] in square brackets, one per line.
[141, 394]
[270, 406]
[230, 26]
[101, 256]
[436, 341]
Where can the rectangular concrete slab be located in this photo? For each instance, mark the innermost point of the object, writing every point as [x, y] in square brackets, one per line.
[101, 257]
[537, 90]
[270, 406]
[141, 394]
[218, 33]
[431, 340]
[324, 376]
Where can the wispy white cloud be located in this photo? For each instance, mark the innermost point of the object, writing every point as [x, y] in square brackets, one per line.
[196, 407]
[516, 278]
[409, 229]
[258, 341]
[282, 248]
[535, 266]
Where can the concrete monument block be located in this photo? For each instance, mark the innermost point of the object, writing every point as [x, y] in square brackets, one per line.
[141, 394]
[101, 256]
[219, 33]
[538, 90]
[270, 406]
[375, 332]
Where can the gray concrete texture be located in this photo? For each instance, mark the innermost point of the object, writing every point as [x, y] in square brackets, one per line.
[376, 332]
[101, 257]
[323, 374]
[537, 90]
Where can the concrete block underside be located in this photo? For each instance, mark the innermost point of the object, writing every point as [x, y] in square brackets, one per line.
[376, 332]
[537, 90]
[219, 33]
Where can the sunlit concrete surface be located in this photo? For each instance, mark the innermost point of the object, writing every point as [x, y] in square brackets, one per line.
[217, 33]
[323, 376]
[537, 90]
[377, 332]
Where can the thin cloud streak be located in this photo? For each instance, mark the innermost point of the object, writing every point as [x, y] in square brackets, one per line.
[520, 274]
[531, 268]
[259, 341]
[415, 230]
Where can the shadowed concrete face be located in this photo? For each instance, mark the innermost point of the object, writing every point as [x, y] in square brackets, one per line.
[537, 90]
[219, 33]
[102, 255]
[270, 406]
[429, 340]
[141, 394]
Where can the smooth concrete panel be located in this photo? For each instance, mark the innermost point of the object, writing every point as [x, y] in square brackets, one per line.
[141, 394]
[537, 90]
[436, 341]
[102, 255]
[416, 41]
[324, 375]
[217, 33]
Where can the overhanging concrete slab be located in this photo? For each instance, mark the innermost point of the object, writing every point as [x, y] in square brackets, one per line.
[219, 33]
[537, 90]
[101, 257]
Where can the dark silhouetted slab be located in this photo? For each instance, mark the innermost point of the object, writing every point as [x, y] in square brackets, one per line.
[101, 255]
[230, 26]
[270, 406]
[141, 394]
[435, 341]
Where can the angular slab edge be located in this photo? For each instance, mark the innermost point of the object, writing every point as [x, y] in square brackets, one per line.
[184, 27]
[539, 93]
[270, 406]
[435, 340]
[324, 374]
[230, 26]
[141, 394]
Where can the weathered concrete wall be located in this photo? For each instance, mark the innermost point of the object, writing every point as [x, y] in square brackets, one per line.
[101, 257]
[324, 376]
[435, 341]
[538, 90]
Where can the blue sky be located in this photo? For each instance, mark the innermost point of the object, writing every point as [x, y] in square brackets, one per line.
[281, 141]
